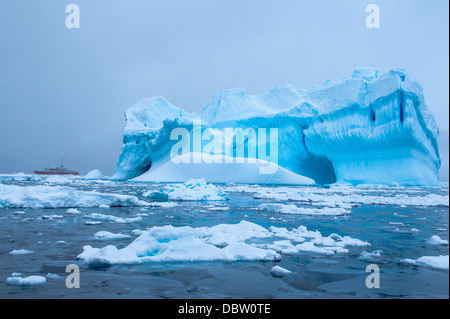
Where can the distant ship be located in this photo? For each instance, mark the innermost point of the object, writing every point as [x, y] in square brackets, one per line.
[61, 170]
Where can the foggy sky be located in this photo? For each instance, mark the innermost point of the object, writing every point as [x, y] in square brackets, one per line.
[64, 92]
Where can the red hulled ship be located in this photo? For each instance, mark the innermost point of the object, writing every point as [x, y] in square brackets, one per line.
[61, 170]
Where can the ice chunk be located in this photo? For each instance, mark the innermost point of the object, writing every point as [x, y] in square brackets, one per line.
[94, 174]
[105, 235]
[21, 252]
[114, 219]
[436, 240]
[192, 190]
[19, 177]
[295, 210]
[224, 242]
[278, 271]
[27, 281]
[439, 262]
[59, 197]
[73, 211]
[60, 179]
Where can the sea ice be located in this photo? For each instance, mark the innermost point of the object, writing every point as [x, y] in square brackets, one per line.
[295, 210]
[60, 197]
[192, 190]
[21, 252]
[224, 242]
[114, 219]
[439, 262]
[27, 281]
[105, 235]
[278, 271]
[436, 240]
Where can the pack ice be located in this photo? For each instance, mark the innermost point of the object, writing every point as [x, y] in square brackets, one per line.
[368, 128]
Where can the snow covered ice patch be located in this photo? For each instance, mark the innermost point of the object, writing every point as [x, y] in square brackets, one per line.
[192, 190]
[295, 210]
[439, 262]
[60, 197]
[224, 242]
[27, 281]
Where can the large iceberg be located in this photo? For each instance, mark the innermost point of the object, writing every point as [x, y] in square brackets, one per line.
[368, 128]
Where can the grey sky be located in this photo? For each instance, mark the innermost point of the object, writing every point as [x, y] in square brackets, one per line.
[63, 92]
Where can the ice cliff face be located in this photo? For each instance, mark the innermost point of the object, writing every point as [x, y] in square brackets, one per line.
[368, 128]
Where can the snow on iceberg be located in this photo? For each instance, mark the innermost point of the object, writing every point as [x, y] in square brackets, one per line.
[192, 190]
[221, 172]
[60, 197]
[224, 242]
[368, 128]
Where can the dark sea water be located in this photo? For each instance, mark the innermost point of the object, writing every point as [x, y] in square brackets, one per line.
[398, 231]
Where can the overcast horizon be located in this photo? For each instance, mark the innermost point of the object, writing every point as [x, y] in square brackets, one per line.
[64, 92]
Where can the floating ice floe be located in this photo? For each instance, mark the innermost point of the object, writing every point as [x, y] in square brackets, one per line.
[192, 190]
[73, 211]
[439, 262]
[27, 281]
[92, 222]
[60, 197]
[19, 177]
[436, 240]
[52, 217]
[224, 242]
[370, 255]
[278, 271]
[345, 196]
[20, 252]
[61, 179]
[295, 210]
[114, 219]
[105, 235]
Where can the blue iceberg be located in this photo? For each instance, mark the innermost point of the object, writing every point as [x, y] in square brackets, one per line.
[369, 128]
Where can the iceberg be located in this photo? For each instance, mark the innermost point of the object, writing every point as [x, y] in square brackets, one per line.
[369, 128]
